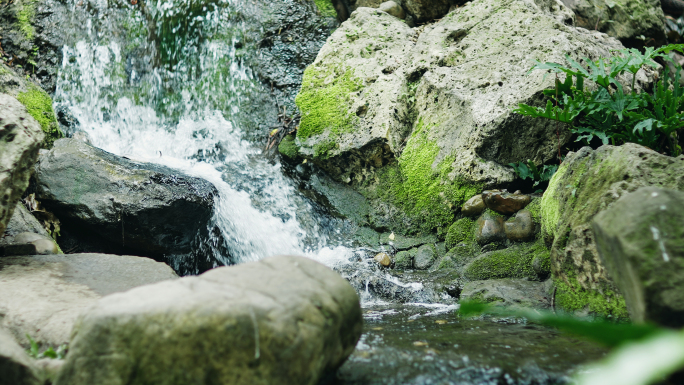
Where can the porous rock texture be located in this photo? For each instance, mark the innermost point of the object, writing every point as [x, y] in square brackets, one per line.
[133, 207]
[641, 241]
[622, 19]
[588, 182]
[20, 138]
[43, 294]
[421, 123]
[282, 320]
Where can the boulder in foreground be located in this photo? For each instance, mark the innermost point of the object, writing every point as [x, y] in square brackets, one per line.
[641, 242]
[283, 320]
[42, 295]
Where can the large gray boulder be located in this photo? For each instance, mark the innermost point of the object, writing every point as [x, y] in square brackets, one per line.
[132, 207]
[625, 20]
[641, 241]
[20, 138]
[16, 367]
[42, 295]
[423, 123]
[588, 182]
[282, 320]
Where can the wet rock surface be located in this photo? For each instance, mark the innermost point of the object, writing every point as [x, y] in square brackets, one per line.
[521, 227]
[383, 259]
[293, 316]
[425, 256]
[20, 138]
[640, 238]
[490, 229]
[504, 202]
[474, 206]
[510, 293]
[32, 305]
[133, 207]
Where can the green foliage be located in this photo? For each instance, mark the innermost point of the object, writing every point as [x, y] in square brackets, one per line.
[530, 171]
[609, 113]
[34, 350]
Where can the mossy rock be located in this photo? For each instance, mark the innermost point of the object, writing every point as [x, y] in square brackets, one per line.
[288, 148]
[525, 260]
[39, 105]
[461, 231]
[588, 182]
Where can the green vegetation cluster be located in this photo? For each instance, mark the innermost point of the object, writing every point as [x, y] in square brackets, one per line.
[610, 114]
[39, 106]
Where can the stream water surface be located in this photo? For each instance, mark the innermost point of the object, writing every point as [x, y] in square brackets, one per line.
[182, 109]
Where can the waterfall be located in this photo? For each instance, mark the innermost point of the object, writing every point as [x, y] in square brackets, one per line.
[176, 101]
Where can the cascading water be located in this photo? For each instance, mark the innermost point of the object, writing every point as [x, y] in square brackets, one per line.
[192, 128]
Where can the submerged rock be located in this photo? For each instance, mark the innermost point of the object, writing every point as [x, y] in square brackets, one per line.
[588, 182]
[130, 207]
[42, 295]
[282, 320]
[641, 241]
[20, 138]
[16, 367]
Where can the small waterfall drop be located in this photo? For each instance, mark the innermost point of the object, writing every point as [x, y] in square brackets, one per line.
[183, 114]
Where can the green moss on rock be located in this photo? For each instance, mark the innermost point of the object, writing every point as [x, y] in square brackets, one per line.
[324, 101]
[550, 207]
[423, 189]
[530, 261]
[535, 209]
[460, 231]
[39, 105]
[26, 14]
[288, 147]
[605, 303]
[326, 8]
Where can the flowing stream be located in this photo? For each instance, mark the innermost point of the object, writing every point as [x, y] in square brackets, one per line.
[180, 101]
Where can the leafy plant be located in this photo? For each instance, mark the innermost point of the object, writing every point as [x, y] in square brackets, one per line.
[608, 112]
[34, 350]
[530, 170]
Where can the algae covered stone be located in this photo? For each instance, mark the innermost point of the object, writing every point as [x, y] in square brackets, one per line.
[517, 261]
[461, 231]
[588, 182]
[282, 320]
[641, 241]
